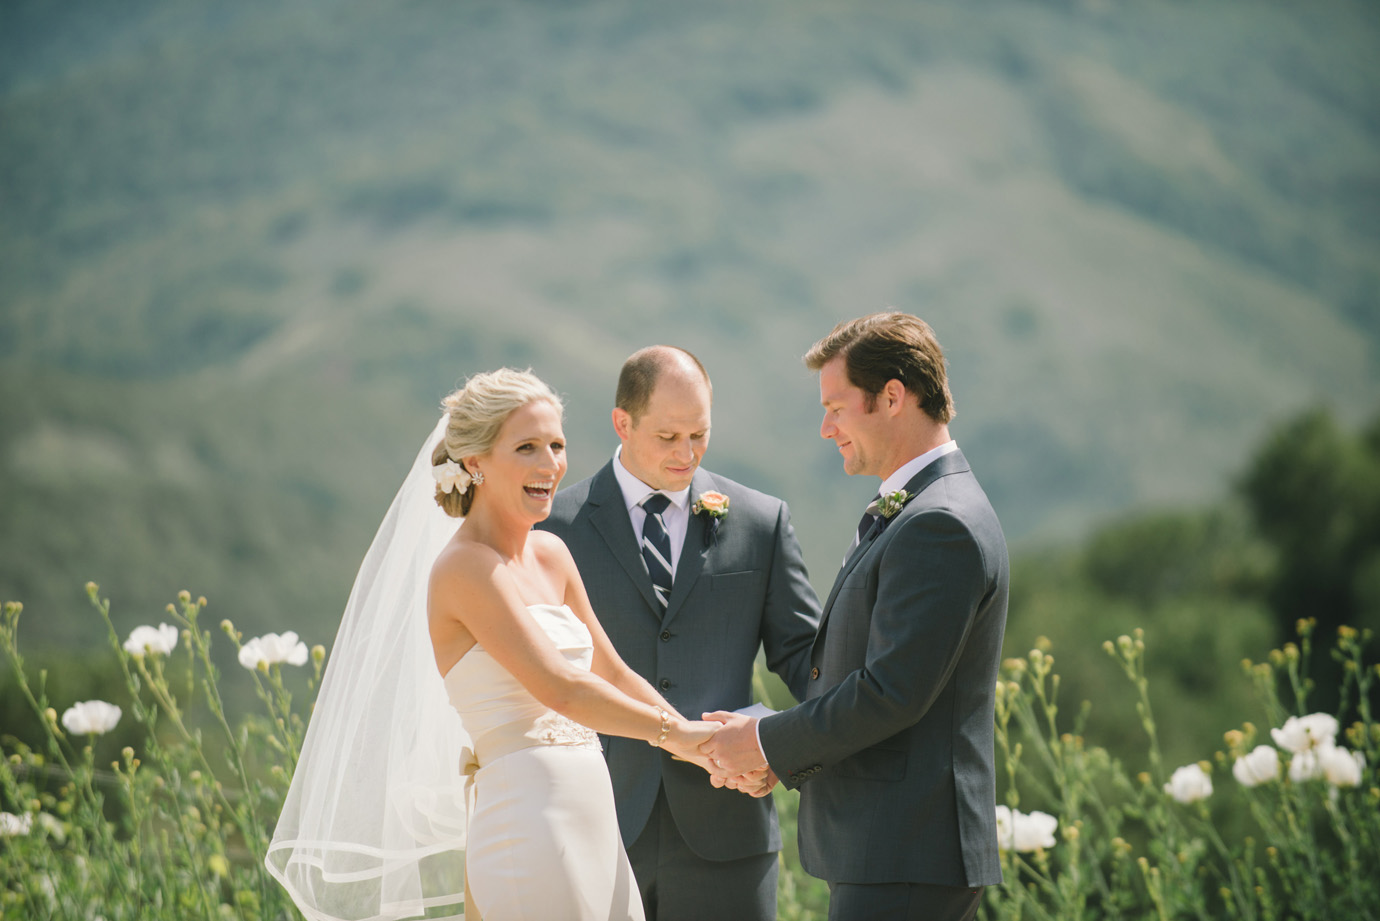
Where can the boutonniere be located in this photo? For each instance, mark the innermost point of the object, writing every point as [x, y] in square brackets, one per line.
[714, 506]
[887, 506]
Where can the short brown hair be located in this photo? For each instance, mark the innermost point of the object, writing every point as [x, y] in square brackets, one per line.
[643, 369]
[889, 346]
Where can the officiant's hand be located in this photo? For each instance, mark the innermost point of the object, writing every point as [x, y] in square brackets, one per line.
[733, 750]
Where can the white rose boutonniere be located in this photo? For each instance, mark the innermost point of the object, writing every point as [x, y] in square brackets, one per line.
[714, 506]
[888, 506]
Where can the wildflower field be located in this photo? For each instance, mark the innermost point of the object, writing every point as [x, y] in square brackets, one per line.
[1277, 820]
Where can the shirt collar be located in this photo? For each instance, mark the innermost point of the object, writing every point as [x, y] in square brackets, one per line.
[910, 468]
[634, 490]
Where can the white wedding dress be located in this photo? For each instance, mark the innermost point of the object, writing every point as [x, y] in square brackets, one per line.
[543, 835]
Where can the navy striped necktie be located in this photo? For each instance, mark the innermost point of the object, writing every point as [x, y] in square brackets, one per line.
[656, 546]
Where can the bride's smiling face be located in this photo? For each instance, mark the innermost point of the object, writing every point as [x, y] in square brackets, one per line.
[525, 465]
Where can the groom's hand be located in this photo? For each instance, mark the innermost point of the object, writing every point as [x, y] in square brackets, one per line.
[733, 750]
[755, 783]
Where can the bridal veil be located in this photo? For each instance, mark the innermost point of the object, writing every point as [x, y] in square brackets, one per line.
[373, 825]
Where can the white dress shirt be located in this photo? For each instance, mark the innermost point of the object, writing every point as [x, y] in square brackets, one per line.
[677, 514]
[910, 468]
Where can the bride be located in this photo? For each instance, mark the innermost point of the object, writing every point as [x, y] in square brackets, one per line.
[460, 705]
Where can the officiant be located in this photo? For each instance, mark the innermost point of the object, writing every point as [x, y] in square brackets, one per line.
[690, 574]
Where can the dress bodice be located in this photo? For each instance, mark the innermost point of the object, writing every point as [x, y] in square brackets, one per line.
[502, 716]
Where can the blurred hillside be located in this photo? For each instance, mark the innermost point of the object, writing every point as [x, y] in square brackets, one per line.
[245, 248]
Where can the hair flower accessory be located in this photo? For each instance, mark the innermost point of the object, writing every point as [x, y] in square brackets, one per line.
[451, 476]
[714, 506]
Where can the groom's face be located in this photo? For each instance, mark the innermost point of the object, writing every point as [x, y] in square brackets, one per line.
[663, 447]
[858, 433]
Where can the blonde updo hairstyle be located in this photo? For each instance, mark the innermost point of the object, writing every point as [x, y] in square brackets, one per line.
[476, 413]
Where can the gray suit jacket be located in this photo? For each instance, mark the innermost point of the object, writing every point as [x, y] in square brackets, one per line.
[745, 589]
[892, 748]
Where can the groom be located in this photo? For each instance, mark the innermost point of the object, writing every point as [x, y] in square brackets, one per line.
[892, 748]
[690, 574]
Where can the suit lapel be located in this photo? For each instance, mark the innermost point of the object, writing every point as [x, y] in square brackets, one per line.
[953, 462]
[609, 516]
[692, 553]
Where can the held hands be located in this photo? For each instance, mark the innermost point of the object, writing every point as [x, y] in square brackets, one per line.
[685, 739]
[736, 759]
[756, 784]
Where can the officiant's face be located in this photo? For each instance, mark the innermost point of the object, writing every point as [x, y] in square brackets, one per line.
[663, 447]
[860, 435]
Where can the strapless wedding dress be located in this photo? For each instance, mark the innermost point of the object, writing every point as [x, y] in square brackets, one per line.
[543, 840]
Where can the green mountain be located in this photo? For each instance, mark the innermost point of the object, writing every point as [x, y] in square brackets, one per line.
[245, 248]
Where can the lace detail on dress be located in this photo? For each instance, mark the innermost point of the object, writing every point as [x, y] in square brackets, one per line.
[553, 729]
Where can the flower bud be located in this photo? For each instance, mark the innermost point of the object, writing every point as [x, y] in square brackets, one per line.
[218, 865]
[1235, 738]
[201, 601]
[1144, 777]
[92, 588]
[1276, 658]
[318, 653]
[184, 596]
[171, 608]
[1108, 647]
[1043, 644]
[1291, 652]
[1345, 632]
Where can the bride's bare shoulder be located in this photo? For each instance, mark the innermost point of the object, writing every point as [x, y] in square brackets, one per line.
[465, 562]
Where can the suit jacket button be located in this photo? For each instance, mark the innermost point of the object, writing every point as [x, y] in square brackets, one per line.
[814, 674]
[665, 684]
[665, 635]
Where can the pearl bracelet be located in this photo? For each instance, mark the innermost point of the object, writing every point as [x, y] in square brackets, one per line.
[665, 728]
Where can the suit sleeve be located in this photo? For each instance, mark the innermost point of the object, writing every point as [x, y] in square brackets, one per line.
[790, 618]
[930, 582]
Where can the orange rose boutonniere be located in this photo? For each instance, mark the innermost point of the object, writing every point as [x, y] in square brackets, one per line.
[714, 506]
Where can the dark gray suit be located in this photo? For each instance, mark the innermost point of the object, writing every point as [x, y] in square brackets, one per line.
[892, 748]
[747, 588]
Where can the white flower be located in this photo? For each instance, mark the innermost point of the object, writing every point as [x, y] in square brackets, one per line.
[52, 826]
[1189, 784]
[451, 475]
[91, 717]
[1342, 768]
[1258, 767]
[161, 640]
[1017, 831]
[272, 649]
[1304, 766]
[15, 824]
[1304, 733]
